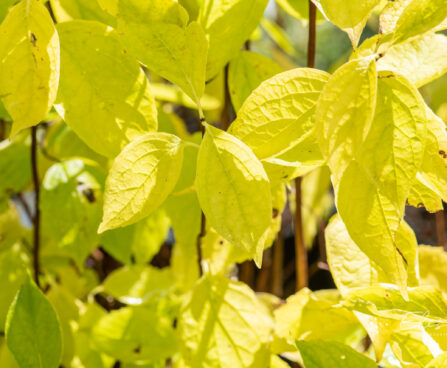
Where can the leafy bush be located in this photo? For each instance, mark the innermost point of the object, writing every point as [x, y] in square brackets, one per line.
[147, 152]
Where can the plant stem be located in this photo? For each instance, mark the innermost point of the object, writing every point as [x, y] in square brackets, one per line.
[300, 247]
[277, 268]
[202, 216]
[440, 229]
[36, 218]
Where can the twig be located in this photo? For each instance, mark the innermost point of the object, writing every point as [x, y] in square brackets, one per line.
[277, 268]
[300, 248]
[36, 219]
[440, 229]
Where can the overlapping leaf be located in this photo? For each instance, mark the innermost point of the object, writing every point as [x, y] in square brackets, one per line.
[141, 178]
[104, 96]
[234, 191]
[29, 63]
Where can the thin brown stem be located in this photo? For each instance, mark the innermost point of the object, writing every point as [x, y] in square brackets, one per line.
[277, 267]
[301, 266]
[440, 229]
[36, 218]
[202, 216]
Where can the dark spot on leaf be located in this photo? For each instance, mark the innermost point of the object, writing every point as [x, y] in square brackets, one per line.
[221, 242]
[275, 213]
[33, 39]
[86, 191]
[137, 350]
[442, 153]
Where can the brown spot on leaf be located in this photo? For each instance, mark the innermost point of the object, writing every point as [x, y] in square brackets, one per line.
[275, 213]
[33, 39]
[443, 154]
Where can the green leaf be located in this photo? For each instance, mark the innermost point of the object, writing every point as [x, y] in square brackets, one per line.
[418, 17]
[135, 285]
[321, 354]
[33, 334]
[110, 6]
[15, 165]
[413, 346]
[421, 59]
[433, 171]
[102, 88]
[156, 31]
[143, 240]
[304, 313]
[372, 192]
[4, 8]
[424, 304]
[421, 195]
[223, 324]
[234, 191]
[345, 112]
[135, 334]
[351, 17]
[432, 266]
[13, 265]
[279, 114]
[141, 178]
[297, 8]
[29, 66]
[246, 72]
[278, 35]
[11, 229]
[66, 10]
[71, 203]
[228, 24]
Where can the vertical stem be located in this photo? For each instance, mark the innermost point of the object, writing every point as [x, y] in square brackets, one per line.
[440, 229]
[202, 217]
[300, 247]
[277, 268]
[36, 218]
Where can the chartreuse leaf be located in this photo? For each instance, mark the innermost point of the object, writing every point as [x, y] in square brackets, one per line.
[15, 165]
[352, 268]
[297, 8]
[424, 304]
[33, 334]
[413, 346]
[228, 24]
[270, 127]
[305, 311]
[322, 354]
[432, 266]
[439, 362]
[351, 18]
[141, 178]
[71, 203]
[13, 266]
[29, 63]
[11, 229]
[110, 6]
[135, 285]
[158, 33]
[421, 195]
[142, 240]
[418, 17]
[345, 111]
[135, 335]
[231, 180]
[66, 10]
[420, 59]
[102, 88]
[373, 190]
[433, 171]
[391, 14]
[223, 324]
[4, 8]
[246, 72]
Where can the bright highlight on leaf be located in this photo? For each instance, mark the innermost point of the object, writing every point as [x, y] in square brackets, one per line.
[158, 34]
[104, 95]
[141, 178]
[33, 334]
[29, 63]
[234, 191]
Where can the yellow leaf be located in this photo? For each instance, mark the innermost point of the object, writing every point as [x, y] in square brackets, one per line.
[29, 63]
[141, 178]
